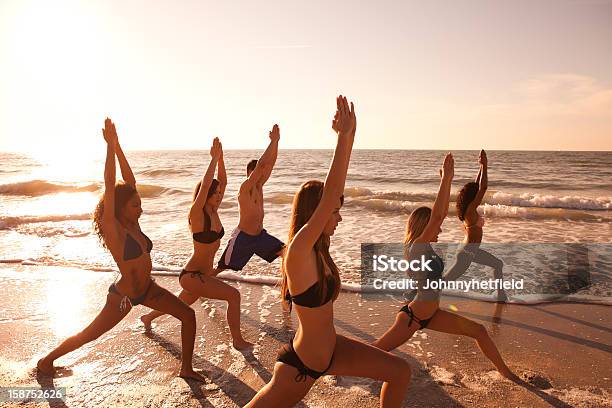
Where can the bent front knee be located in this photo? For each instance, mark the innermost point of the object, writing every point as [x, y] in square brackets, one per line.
[187, 315]
[233, 297]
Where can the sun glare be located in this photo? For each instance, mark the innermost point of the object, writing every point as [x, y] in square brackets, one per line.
[66, 300]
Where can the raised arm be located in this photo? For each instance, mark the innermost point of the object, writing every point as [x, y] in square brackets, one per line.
[344, 124]
[126, 170]
[266, 162]
[221, 174]
[440, 207]
[269, 156]
[200, 200]
[482, 179]
[109, 221]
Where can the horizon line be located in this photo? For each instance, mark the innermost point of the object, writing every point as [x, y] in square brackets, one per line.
[354, 149]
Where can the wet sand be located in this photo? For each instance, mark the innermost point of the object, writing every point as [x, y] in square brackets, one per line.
[563, 350]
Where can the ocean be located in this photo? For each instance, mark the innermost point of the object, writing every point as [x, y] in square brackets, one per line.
[533, 198]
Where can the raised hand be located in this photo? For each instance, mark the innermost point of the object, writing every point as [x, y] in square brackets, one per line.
[109, 132]
[448, 167]
[345, 121]
[215, 149]
[482, 159]
[220, 150]
[275, 134]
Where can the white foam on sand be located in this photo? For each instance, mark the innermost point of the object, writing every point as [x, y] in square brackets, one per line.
[594, 397]
[442, 376]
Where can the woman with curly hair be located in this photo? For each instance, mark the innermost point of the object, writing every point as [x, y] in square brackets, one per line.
[468, 200]
[116, 223]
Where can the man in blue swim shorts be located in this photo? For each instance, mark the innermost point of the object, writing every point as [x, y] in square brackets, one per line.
[250, 238]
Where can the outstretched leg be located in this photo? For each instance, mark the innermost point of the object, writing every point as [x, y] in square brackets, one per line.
[399, 333]
[486, 258]
[452, 323]
[214, 288]
[163, 300]
[108, 318]
[372, 363]
[461, 265]
[187, 298]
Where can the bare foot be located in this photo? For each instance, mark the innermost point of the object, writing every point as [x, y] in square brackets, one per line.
[242, 345]
[45, 367]
[192, 374]
[510, 376]
[147, 322]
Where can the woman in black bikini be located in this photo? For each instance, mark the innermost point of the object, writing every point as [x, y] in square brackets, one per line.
[424, 311]
[309, 271]
[116, 222]
[197, 278]
[468, 200]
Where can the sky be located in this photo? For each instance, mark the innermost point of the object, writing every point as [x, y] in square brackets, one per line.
[518, 75]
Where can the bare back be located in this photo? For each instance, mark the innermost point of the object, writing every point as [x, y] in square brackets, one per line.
[472, 225]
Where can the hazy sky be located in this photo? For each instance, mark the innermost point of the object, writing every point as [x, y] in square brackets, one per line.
[435, 74]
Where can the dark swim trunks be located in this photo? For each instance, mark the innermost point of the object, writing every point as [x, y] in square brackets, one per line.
[242, 246]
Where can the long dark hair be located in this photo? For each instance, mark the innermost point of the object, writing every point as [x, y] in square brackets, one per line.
[211, 190]
[123, 193]
[465, 197]
[305, 203]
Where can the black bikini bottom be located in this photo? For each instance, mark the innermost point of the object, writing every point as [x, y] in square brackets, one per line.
[185, 272]
[422, 322]
[288, 356]
[135, 300]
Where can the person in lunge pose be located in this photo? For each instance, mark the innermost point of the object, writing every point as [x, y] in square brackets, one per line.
[311, 283]
[423, 228]
[206, 229]
[250, 237]
[116, 223]
[468, 200]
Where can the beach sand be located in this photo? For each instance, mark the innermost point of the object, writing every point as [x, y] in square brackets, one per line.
[563, 350]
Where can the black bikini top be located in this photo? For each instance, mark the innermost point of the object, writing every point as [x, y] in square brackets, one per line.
[208, 236]
[437, 265]
[311, 297]
[132, 249]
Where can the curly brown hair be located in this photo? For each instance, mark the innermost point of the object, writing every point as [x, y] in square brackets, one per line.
[123, 194]
[465, 197]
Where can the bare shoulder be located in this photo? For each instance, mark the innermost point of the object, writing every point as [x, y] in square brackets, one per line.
[300, 266]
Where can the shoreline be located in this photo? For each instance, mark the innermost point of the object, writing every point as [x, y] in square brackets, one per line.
[348, 287]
